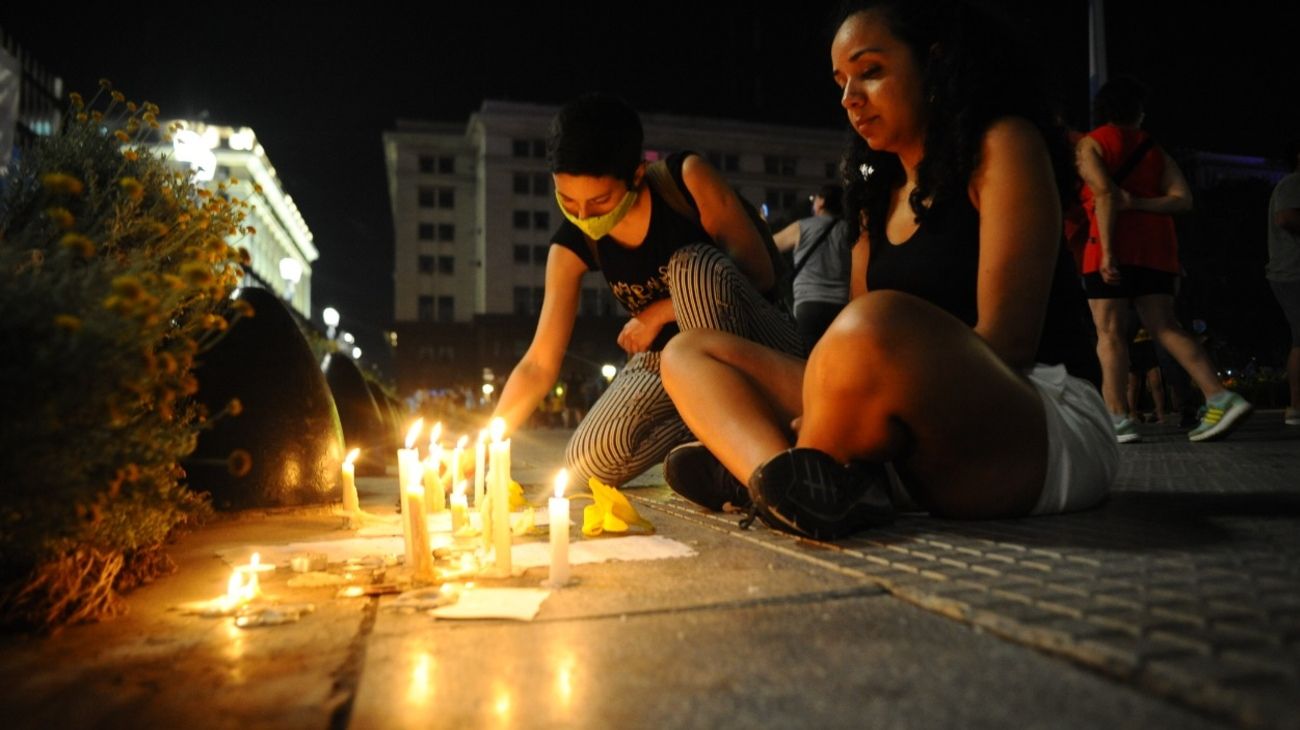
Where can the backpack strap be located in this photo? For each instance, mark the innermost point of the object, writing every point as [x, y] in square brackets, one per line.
[1133, 159]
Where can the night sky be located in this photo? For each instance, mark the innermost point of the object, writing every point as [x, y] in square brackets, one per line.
[320, 82]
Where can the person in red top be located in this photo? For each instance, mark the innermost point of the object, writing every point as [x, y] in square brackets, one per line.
[1132, 189]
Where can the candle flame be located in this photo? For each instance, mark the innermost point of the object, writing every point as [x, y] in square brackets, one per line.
[460, 487]
[498, 429]
[255, 560]
[461, 442]
[352, 456]
[482, 435]
[435, 434]
[561, 481]
[414, 433]
[234, 586]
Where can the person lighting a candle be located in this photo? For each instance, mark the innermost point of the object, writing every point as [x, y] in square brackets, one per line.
[680, 252]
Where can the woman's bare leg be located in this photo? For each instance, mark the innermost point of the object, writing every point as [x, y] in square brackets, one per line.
[896, 378]
[1157, 314]
[1111, 316]
[735, 395]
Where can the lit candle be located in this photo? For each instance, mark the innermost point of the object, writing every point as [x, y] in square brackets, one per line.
[419, 554]
[459, 508]
[480, 466]
[351, 504]
[250, 588]
[500, 496]
[457, 469]
[559, 514]
[437, 500]
[408, 472]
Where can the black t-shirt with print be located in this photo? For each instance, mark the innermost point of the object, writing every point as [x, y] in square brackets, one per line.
[638, 276]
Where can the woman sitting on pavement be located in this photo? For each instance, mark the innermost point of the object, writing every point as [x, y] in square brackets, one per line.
[671, 271]
[963, 358]
[1132, 187]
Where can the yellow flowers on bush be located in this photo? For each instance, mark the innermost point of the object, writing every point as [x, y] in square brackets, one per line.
[78, 244]
[62, 217]
[131, 187]
[61, 183]
[67, 322]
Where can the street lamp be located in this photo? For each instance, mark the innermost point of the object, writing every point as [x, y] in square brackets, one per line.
[331, 317]
[609, 371]
[356, 353]
[291, 272]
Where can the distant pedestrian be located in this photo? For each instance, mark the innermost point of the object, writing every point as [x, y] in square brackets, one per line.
[822, 261]
[1284, 267]
[1132, 189]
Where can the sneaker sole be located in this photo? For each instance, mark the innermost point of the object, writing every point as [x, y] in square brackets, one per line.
[694, 459]
[1128, 438]
[807, 493]
[1232, 418]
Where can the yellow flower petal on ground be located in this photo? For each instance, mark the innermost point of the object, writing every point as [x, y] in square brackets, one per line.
[517, 500]
[611, 512]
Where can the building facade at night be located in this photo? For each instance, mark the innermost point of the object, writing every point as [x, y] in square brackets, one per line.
[473, 211]
[282, 248]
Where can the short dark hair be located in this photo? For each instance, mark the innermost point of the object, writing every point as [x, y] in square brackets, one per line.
[598, 135]
[832, 199]
[1119, 101]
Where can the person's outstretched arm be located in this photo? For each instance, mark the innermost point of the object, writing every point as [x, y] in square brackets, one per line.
[539, 368]
[1105, 204]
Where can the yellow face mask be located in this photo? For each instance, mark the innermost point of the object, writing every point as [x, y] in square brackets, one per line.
[599, 226]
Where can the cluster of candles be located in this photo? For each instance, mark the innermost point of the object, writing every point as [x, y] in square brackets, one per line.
[424, 490]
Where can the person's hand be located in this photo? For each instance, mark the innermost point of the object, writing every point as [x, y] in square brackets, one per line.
[1108, 270]
[637, 335]
[796, 424]
[1123, 200]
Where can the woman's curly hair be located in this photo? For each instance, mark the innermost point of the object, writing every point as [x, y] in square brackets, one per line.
[974, 71]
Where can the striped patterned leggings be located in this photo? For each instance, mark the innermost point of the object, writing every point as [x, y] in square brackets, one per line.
[634, 424]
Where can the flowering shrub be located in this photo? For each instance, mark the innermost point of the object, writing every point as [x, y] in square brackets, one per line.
[115, 272]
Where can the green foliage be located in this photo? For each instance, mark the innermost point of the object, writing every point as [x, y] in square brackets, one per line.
[114, 273]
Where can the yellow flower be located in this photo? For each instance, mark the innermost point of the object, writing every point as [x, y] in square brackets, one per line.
[131, 155]
[197, 273]
[78, 244]
[243, 308]
[82, 117]
[118, 96]
[76, 100]
[239, 463]
[97, 116]
[131, 107]
[61, 217]
[122, 136]
[105, 84]
[173, 282]
[250, 231]
[128, 287]
[132, 187]
[61, 183]
[189, 385]
[611, 512]
[234, 180]
[204, 193]
[67, 322]
[167, 362]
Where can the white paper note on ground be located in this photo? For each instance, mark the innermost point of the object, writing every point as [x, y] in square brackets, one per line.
[634, 547]
[518, 604]
[391, 525]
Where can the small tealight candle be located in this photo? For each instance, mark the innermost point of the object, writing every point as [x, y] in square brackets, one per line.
[351, 504]
[459, 508]
[559, 514]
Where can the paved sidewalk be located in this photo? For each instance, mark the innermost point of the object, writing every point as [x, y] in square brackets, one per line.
[1175, 605]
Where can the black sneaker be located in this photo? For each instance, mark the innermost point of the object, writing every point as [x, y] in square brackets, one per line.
[807, 493]
[697, 475]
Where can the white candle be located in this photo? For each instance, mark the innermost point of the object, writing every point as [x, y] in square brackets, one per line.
[559, 514]
[485, 524]
[408, 472]
[500, 491]
[436, 494]
[480, 466]
[351, 504]
[420, 559]
[459, 508]
[458, 453]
